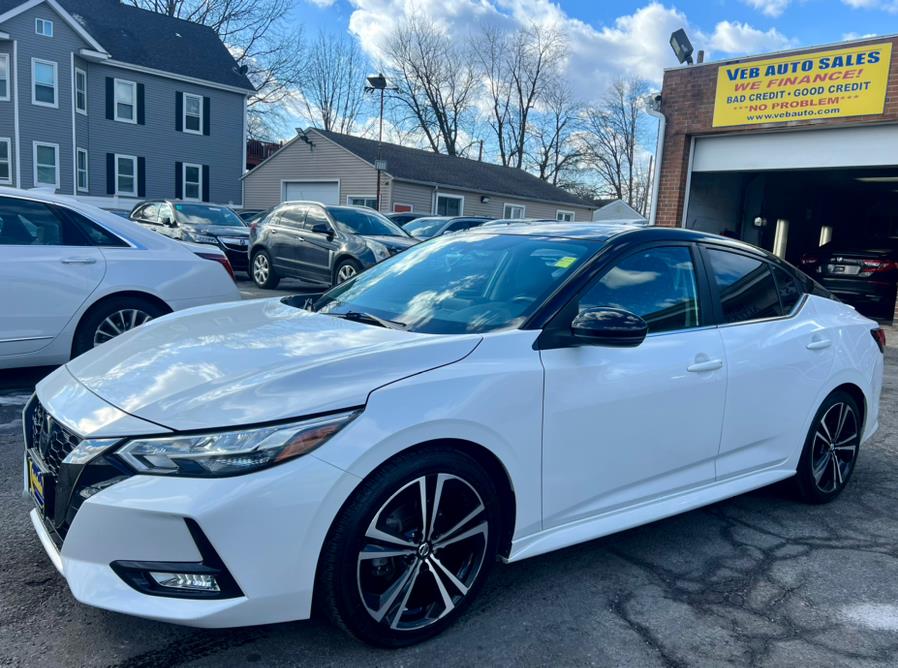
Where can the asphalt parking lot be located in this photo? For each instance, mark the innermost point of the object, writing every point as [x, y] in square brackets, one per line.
[756, 580]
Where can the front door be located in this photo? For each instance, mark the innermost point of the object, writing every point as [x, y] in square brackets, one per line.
[624, 426]
[47, 270]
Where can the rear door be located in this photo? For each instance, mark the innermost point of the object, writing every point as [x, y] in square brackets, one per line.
[48, 268]
[777, 358]
[285, 239]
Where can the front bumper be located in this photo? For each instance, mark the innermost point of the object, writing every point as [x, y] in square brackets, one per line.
[267, 529]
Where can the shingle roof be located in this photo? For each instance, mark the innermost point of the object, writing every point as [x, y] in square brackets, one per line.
[414, 164]
[147, 39]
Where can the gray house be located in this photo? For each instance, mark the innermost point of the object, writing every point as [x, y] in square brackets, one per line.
[113, 104]
[335, 168]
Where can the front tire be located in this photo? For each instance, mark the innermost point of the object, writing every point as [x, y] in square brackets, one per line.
[411, 548]
[346, 270]
[262, 271]
[830, 449]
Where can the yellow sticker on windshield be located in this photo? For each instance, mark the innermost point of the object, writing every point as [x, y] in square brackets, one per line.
[565, 262]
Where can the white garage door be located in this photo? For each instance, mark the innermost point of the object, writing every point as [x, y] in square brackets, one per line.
[807, 149]
[326, 192]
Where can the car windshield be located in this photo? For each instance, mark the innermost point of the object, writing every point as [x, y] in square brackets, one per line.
[457, 284]
[424, 228]
[364, 222]
[203, 214]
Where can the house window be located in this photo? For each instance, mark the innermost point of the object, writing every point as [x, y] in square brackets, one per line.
[81, 170]
[46, 164]
[5, 162]
[193, 181]
[4, 77]
[43, 27]
[80, 91]
[513, 211]
[370, 202]
[450, 205]
[564, 216]
[193, 113]
[44, 83]
[125, 101]
[126, 175]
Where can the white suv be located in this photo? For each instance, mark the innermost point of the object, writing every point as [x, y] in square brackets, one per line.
[73, 276]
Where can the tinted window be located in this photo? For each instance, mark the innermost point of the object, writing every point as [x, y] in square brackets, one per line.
[26, 223]
[657, 284]
[746, 287]
[316, 216]
[293, 216]
[97, 235]
[790, 290]
[364, 222]
[148, 213]
[425, 228]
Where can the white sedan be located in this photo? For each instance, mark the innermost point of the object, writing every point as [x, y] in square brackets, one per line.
[74, 276]
[502, 393]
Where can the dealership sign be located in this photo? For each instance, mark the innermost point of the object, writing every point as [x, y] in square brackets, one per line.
[828, 84]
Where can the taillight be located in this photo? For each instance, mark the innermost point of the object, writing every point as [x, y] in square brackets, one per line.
[252, 229]
[809, 259]
[222, 260]
[879, 335]
[878, 266]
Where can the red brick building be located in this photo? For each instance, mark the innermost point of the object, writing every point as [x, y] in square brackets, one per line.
[786, 150]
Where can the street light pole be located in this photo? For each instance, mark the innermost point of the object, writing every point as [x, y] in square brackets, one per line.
[378, 82]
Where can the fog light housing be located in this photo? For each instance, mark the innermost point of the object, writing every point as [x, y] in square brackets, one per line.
[186, 581]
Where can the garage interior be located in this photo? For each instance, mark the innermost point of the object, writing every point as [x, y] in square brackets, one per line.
[792, 212]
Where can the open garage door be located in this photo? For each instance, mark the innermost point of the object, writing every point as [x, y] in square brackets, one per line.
[825, 200]
[326, 192]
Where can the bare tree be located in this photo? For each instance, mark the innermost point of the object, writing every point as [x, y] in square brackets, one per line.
[433, 83]
[612, 137]
[518, 68]
[332, 89]
[552, 151]
[257, 35]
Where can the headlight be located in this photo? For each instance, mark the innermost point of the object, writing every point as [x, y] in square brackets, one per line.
[380, 251]
[231, 452]
[199, 238]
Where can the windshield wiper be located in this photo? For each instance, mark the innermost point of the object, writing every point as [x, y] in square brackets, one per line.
[370, 319]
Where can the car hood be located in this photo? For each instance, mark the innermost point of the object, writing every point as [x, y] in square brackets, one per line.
[259, 361]
[394, 243]
[218, 230]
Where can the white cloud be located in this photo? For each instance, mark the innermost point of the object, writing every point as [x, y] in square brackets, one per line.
[738, 38]
[851, 36]
[890, 6]
[771, 7]
[321, 3]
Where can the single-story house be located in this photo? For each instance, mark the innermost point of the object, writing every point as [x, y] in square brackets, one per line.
[335, 168]
[618, 210]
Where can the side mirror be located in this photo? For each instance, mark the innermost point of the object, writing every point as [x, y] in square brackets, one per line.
[609, 327]
[321, 228]
[168, 222]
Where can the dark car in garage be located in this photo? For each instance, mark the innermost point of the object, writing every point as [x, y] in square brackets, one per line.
[319, 244]
[861, 274]
[199, 223]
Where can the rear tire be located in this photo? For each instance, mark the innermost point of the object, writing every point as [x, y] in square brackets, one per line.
[830, 449]
[262, 271]
[434, 561]
[113, 317]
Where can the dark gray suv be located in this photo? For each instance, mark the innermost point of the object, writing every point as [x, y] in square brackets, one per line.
[319, 244]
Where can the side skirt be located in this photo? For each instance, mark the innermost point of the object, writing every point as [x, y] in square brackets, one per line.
[591, 528]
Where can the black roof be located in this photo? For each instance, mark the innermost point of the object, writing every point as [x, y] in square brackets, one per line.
[412, 164]
[140, 37]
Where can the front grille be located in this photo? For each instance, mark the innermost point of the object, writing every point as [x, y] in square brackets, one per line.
[50, 439]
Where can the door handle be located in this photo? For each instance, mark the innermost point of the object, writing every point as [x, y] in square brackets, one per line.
[819, 344]
[701, 366]
[79, 260]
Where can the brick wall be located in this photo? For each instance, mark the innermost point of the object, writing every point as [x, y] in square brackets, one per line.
[687, 100]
